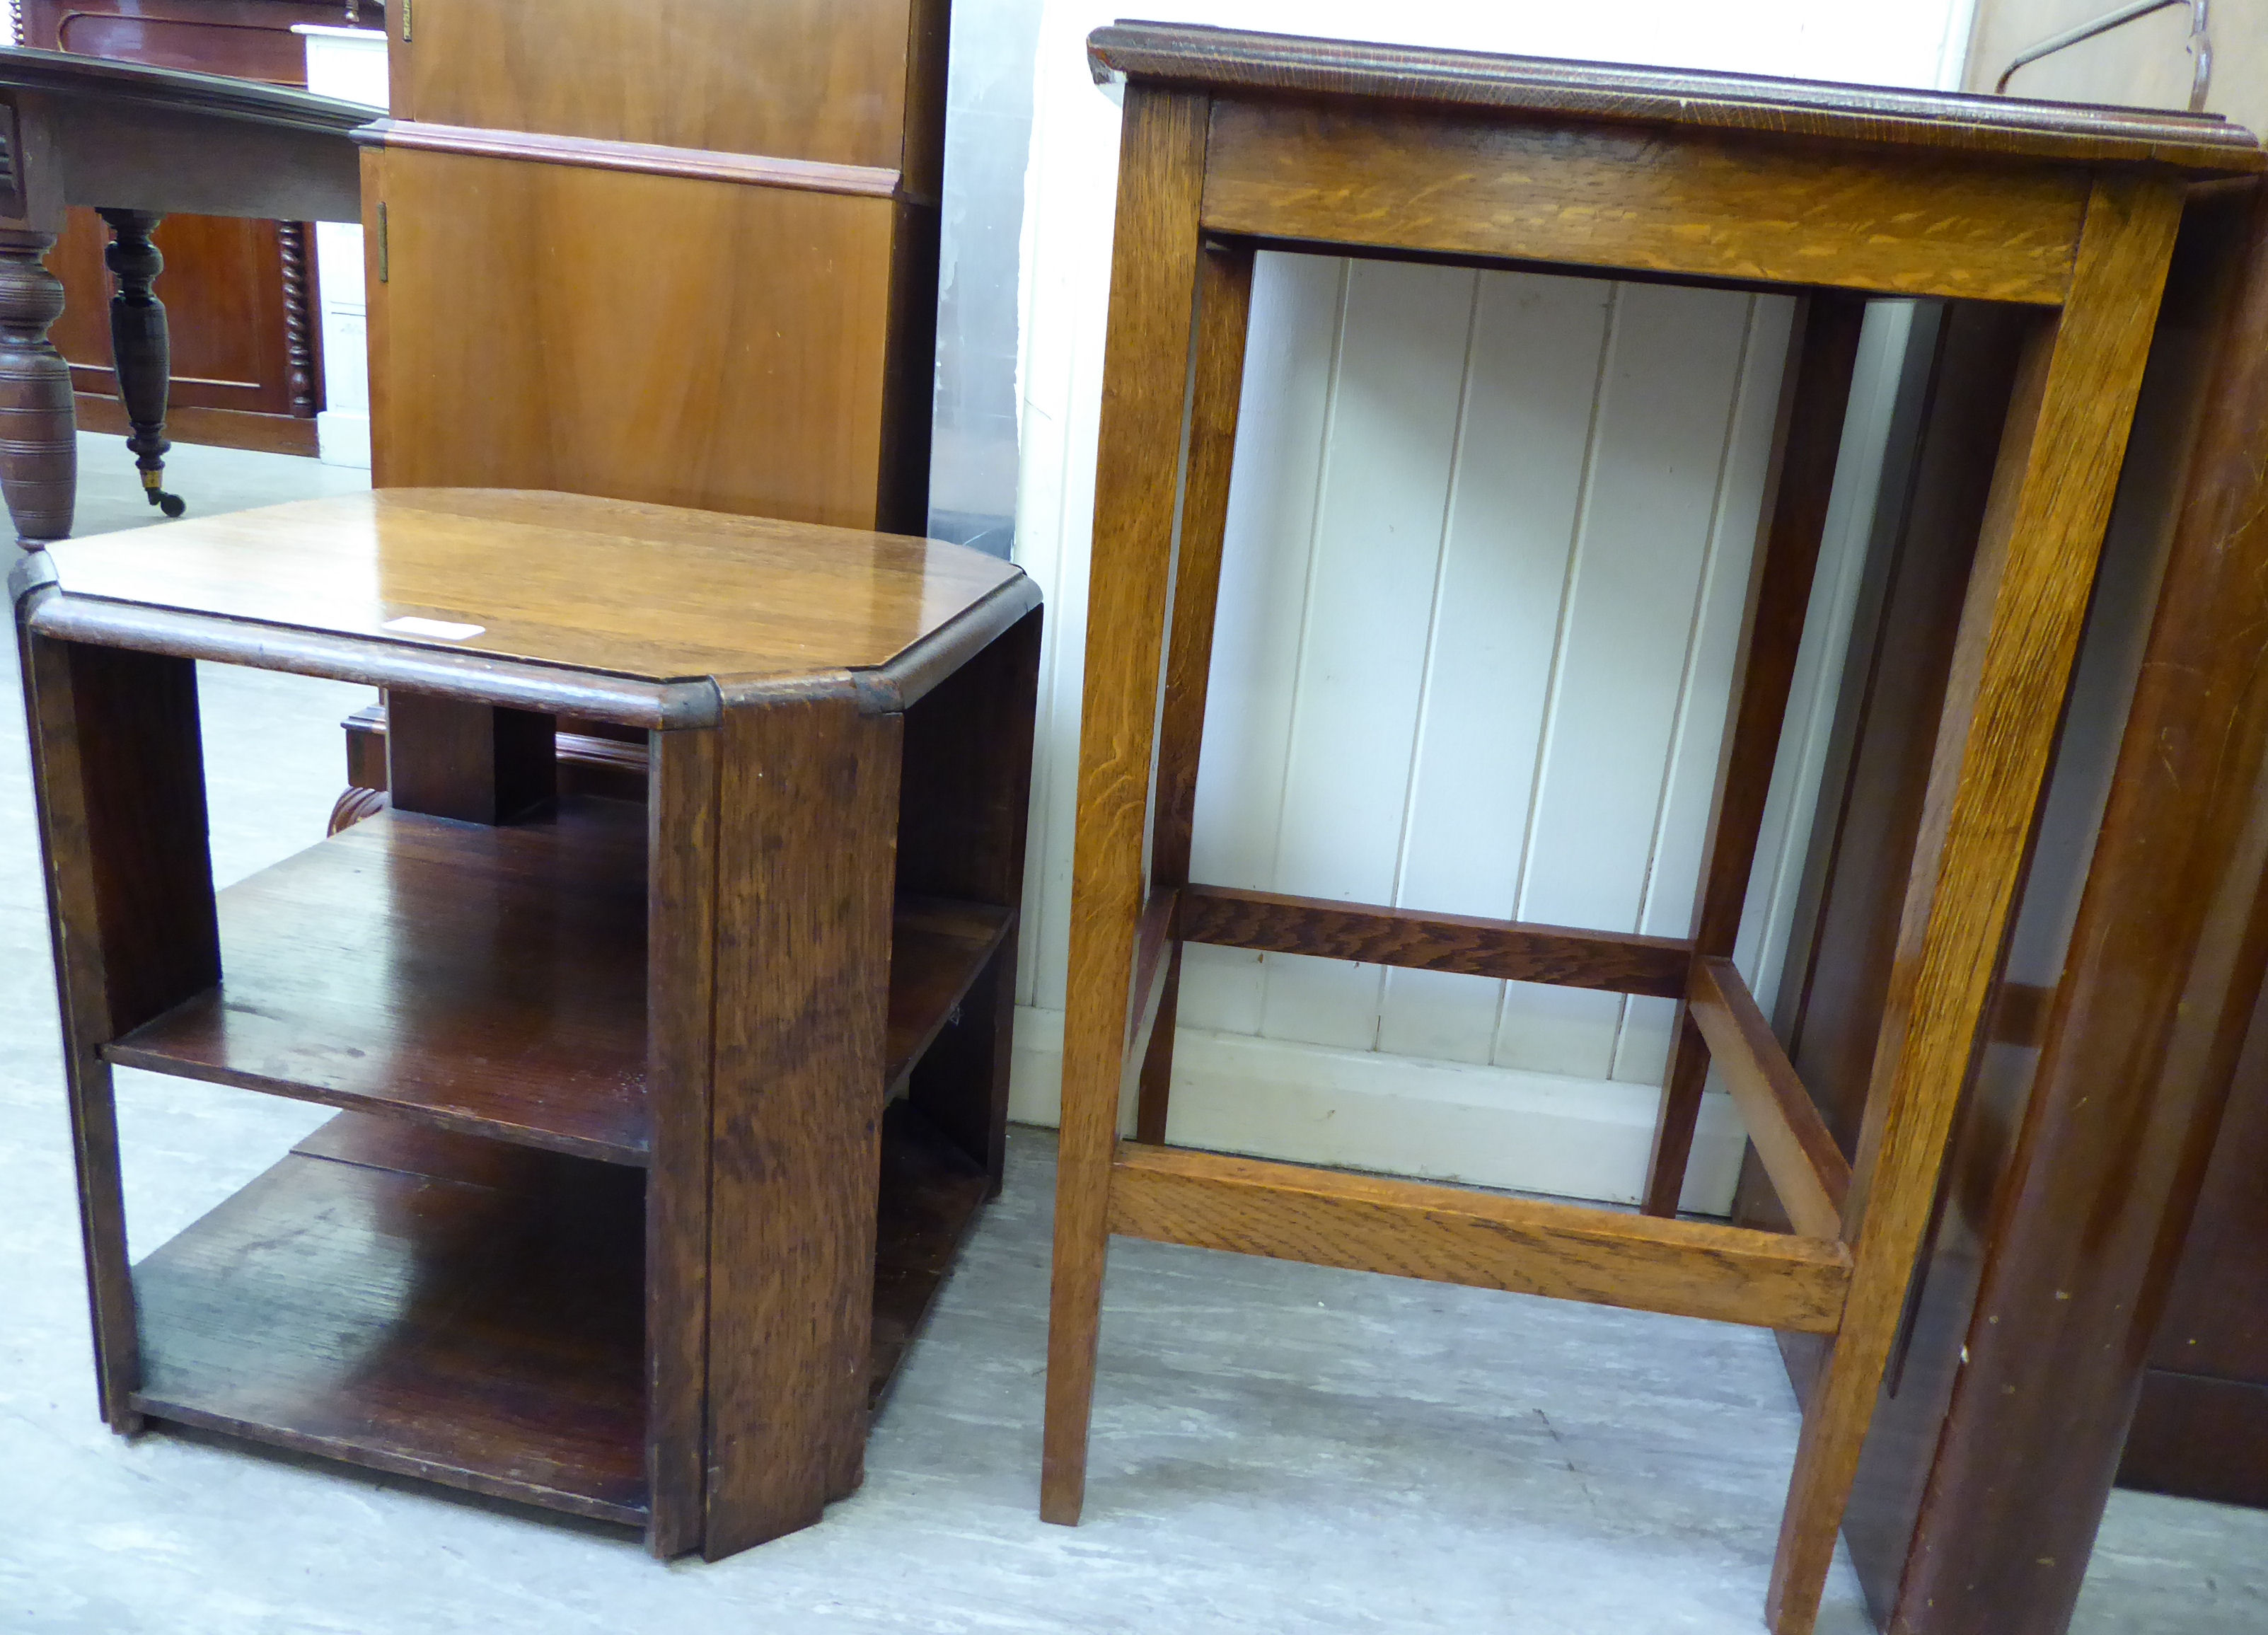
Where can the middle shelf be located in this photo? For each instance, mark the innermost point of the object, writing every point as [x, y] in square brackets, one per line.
[489, 980]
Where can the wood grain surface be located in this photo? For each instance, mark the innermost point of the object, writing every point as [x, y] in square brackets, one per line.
[1807, 1168]
[1449, 1235]
[485, 1336]
[564, 579]
[681, 1009]
[1704, 205]
[808, 795]
[2059, 460]
[1152, 306]
[1563, 955]
[119, 780]
[488, 980]
[832, 80]
[1216, 393]
[1258, 66]
[697, 341]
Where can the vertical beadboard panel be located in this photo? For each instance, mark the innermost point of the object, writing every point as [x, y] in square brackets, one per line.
[1291, 358]
[1382, 501]
[1652, 498]
[1681, 826]
[1516, 492]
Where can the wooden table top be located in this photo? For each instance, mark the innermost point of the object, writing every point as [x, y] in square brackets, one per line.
[1232, 60]
[653, 593]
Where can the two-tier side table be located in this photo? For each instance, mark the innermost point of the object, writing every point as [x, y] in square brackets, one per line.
[1236, 141]
[663, 1120]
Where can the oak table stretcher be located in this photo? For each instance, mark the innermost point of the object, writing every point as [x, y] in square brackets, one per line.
[1236, 141]
[662, 1121]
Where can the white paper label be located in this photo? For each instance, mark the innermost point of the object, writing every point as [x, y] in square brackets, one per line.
[440, 628]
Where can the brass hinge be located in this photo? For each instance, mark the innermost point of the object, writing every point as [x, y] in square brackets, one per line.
[405, 22]
[381, 241]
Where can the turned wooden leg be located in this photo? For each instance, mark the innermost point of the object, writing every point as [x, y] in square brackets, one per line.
[39, 447]
[140, 347]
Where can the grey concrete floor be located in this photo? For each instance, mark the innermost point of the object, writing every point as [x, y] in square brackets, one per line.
[1278, 1447]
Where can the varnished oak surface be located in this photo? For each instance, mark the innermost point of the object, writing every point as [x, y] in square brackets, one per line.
[468, 1311]
[1482, 1240]
[1255, 63]
[486, 980]
[483, 1331]
[647, 592]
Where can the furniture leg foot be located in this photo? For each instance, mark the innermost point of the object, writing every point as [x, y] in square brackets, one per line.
[141, 348]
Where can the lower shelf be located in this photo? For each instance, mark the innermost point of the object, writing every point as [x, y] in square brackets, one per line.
[482, 1332]
[468, 1311]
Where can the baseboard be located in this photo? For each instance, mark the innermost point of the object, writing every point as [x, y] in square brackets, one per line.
[343, 438]
[219, 428]
[1446, 1121]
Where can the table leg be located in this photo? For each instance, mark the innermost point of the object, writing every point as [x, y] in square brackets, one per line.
[139, 346]
[38, 446]
[1152, 306]
[2059, 465]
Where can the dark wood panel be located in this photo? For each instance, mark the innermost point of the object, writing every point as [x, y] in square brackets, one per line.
[2198, 1437]
[1272, 922]
[227, 428]
[807, 794]
[485, 1336]
[488, 980]
[239, 293]
[931, 1194]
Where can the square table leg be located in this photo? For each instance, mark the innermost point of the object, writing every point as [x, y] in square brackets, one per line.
[2059, 465]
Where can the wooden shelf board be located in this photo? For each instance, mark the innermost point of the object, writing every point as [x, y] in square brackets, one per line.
[489, 981]
[468, 1311]
[486, 1334]
[485, 980]
[931, 1194]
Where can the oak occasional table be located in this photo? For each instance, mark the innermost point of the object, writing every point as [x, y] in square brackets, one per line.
[1236, 141]
[662, 1121]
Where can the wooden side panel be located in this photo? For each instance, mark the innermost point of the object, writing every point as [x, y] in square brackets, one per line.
[963, 809]
[682, 818]
[548, 326]
[1709, 206]
[815, 79]
[1327, 1217]
[804, 863]
[119, 770]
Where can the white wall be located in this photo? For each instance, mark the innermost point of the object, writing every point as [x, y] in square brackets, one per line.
[1486, 551]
